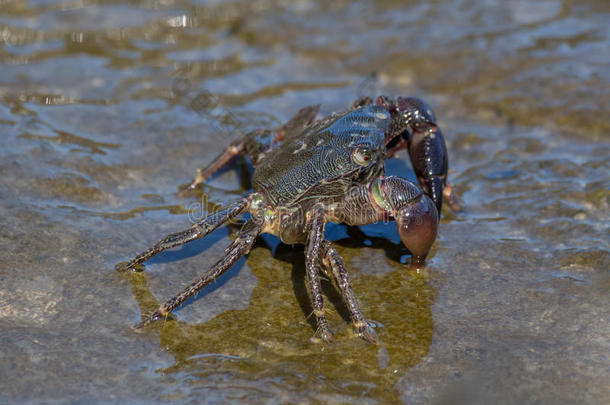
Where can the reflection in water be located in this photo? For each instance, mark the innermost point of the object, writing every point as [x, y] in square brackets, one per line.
[268, 343]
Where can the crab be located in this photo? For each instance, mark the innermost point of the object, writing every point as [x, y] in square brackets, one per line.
[310, 172]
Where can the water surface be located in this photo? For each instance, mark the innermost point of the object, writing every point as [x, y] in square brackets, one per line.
[106, 108]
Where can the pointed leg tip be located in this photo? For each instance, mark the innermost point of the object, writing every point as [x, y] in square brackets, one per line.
[121, 267]
[368, 335]
[139, 327]
[125, 266]
[322, 339]
[199, 179]
[185, 190]
[323, 336]
[327, 337]
[146, 321]
[365, 331]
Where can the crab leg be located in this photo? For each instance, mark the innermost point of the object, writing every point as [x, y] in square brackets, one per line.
[255, 144]
[312, 255]
[332, 259]
[197, 231]
[393, 198]
[236, 148]
[300, 120]
[237, 249]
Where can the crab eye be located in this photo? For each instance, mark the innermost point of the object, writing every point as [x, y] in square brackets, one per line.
[362, 155]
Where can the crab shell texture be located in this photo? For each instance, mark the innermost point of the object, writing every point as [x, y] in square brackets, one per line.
[316, 164]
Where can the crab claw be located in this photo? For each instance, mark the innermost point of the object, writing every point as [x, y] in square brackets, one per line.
[417, 225]
[429, 156]
[415, 214]
[426, 145]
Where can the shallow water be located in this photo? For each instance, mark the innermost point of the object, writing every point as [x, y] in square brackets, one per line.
[106, 108]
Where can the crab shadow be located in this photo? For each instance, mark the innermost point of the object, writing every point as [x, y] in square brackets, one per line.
[350, 237]
[269, 340]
